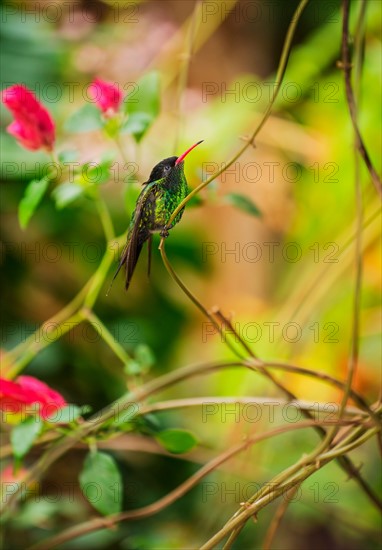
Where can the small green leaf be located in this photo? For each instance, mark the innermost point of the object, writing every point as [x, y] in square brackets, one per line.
[145, 357]
[143, 360]
[132, 368]
[137, 124]
[142, 106]
[244, 203]
[86, 119]
[176, 441]
[32, 197]
[101, 483]
[24, 434]
[66, 193]
[85, 409]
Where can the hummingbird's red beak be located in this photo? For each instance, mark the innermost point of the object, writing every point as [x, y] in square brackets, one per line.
[182, 157]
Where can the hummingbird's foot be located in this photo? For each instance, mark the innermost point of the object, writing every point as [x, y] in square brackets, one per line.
[164, 233]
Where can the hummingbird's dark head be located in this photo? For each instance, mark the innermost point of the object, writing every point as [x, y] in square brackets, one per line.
[162, 169]
[169, 166]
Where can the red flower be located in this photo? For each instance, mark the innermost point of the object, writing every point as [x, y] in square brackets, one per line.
[22, 395]
[33, 126]
[107, 96]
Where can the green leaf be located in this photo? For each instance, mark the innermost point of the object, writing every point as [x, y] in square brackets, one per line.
[85, 409]
[24, 434]
[133, 368]
[244, 203]
[145, 357]
[137, 124]
[66, 193]
[32, 197]
[176, 441]
[86, 119]
[101, 483]
[143, 360]
[142, 105]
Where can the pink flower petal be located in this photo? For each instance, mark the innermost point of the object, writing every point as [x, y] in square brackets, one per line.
[106, 95]
[27, 390]
[26, 135]
[33, 126]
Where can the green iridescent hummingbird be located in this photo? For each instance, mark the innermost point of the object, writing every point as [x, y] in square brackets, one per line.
[162, 193]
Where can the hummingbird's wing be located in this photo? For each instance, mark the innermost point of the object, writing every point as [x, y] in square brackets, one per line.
[149, 250]
[136, 236]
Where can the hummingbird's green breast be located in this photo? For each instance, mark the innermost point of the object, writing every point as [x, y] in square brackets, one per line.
[163, 198]
[176, 189]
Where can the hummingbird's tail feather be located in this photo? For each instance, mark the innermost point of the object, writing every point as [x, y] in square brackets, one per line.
[130, 259]
[136, 237]
[135, 240]
[121, 262]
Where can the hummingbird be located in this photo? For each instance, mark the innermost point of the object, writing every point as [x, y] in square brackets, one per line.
[162, 193]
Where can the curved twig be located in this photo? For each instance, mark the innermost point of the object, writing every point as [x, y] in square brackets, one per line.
[346, 65]
[157, 506]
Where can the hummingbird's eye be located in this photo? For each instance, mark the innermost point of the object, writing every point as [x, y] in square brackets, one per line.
[166, 170]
